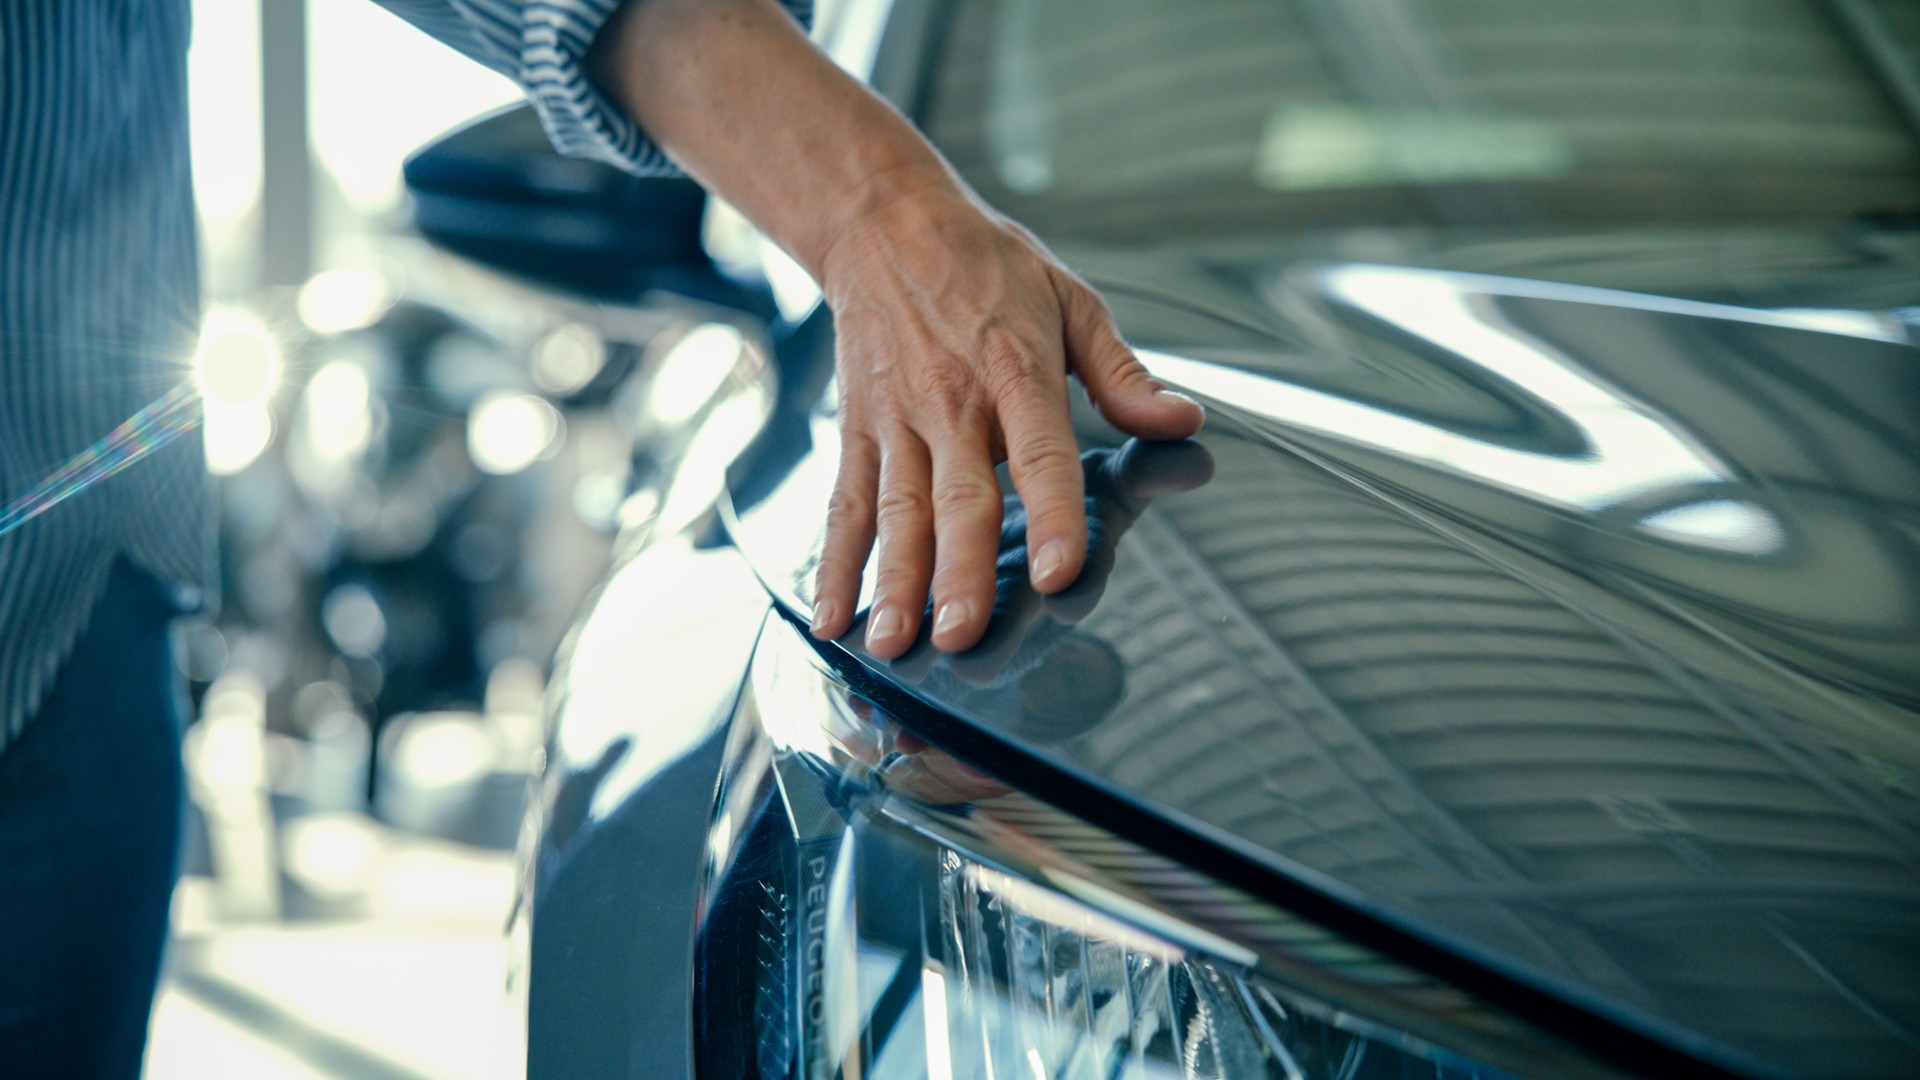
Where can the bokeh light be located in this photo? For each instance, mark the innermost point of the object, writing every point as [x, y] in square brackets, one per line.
[566, 360]
[335, 301]
[238, 362]
[693, 372]
[508, 432]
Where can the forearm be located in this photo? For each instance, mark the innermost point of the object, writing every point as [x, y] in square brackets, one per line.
[739, 98]
[955, 330]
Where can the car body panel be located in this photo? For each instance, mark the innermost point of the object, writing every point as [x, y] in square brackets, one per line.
[1580, 627]
[1549, 600]
[618, 837]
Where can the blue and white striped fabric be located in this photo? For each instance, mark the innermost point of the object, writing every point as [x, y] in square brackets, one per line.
[540, 44]
[99, 290]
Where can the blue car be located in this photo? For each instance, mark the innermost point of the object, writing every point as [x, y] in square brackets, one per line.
[1519, 676]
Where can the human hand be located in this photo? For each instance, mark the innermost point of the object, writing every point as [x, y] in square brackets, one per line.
[1120, 484]
[957, 330]
[1036, 672]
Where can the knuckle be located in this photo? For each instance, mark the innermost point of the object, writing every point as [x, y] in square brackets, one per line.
[848, 506]
[1075, 293]
[1014, 365]
[859, 449]
[965, 493]
[902, 506]
[947, 391]
[1042, 459]
[1129, 373]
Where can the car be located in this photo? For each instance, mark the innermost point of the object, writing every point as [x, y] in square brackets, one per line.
[1519, 675]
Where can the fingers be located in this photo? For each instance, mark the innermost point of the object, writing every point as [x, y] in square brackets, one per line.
[983, 359]
[1044, 459]
[1127, 395]
[850, 524]
[966, 516]
[904, 520]
[1012, 625]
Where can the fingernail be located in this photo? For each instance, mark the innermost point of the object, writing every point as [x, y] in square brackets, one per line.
[953, 613]
[823, 613]
[1164, 392]
[1052, 556]
[885, 624]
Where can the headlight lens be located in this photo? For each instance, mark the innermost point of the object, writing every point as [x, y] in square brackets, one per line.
[879, 909]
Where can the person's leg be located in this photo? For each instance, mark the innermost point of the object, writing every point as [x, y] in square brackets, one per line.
[90, 802]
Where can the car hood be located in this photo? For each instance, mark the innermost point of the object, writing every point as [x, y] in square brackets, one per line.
[1579, 627]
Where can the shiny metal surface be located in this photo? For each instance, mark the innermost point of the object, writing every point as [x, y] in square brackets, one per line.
[824, 902]
[1579, 626]
[1547, 583]
[615, 846]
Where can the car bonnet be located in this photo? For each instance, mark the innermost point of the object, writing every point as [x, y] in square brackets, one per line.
[1580, 628]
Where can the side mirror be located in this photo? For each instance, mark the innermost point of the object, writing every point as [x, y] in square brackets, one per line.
[496, 192]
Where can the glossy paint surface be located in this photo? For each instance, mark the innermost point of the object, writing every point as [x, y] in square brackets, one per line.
[615, 848]
[1580, 626]
[876, 907]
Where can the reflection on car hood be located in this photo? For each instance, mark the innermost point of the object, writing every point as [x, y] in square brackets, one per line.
[1580, 626]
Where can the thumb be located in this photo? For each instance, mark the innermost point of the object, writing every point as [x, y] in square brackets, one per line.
[1127, 395]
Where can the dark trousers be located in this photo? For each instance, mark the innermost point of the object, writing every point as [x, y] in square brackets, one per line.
[90, 806]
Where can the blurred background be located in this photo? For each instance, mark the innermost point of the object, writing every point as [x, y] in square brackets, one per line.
[420, 470]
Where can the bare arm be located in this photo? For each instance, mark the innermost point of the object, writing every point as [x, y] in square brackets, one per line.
[956, 327]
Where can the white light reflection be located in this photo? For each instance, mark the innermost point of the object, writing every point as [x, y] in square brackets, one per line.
[226, 761]
[1611, 472]
[335, 426]
[237, 367]
[235, 435]
[567, 359]
[508, 432]
[335, 301]
[1182, 933]
[339, 420]
[1721, 523]
[711, 376]
[628, 668]
[331, 855]
[692, 372]
[237, 362]
[1042, 903]
[379, 89]
[435, 751]
[795, 293]
[223, 93]
[701, 478]
[353, 619]
[1631, 450]
[1315, 146]
[933, 998]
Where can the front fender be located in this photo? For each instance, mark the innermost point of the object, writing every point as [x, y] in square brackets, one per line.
[613, 852]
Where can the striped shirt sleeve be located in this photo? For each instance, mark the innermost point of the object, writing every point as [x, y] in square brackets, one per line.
[541, 44]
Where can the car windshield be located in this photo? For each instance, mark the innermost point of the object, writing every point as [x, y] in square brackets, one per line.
[1145, 119]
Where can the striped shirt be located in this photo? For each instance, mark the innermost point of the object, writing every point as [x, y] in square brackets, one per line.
[99, 281]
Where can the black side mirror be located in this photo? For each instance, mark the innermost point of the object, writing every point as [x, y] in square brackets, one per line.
[496, 192]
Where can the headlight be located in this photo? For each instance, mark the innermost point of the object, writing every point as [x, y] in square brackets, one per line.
[877, 909]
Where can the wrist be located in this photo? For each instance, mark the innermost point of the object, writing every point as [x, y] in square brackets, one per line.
[896, 215]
